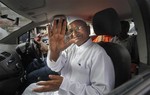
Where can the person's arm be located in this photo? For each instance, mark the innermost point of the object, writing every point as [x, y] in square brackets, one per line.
[102, 78]
[58, 65]
[56, 36]
[43, 47]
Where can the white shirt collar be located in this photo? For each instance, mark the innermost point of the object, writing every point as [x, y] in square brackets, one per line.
[86, 44]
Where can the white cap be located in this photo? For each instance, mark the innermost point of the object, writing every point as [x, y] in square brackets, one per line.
[92, 33]
[71, 19]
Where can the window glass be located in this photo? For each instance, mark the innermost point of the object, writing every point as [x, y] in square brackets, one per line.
[10, 21]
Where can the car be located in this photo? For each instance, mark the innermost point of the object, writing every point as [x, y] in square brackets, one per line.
[35, 15]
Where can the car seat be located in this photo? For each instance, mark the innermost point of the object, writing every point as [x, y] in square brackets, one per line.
[107, 22]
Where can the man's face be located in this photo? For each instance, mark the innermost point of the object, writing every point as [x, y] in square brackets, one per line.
[79, 31]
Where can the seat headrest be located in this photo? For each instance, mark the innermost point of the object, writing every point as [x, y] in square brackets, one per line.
[106, 22]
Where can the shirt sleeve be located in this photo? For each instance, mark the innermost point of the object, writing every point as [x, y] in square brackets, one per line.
[102, 78]
[58, 65]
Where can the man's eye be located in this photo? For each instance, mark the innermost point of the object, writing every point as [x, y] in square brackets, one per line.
[77, 29]
[70, 31]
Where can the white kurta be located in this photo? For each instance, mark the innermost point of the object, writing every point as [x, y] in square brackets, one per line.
[86, 69]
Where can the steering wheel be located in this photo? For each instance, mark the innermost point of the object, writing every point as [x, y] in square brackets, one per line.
[29, 51]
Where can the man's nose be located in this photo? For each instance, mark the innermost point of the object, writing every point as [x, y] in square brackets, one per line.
[75, 32]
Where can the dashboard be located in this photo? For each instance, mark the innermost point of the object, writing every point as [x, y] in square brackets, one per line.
[10, 62]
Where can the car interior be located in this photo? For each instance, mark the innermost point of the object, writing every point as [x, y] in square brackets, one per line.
[18, 48]
[119, 55]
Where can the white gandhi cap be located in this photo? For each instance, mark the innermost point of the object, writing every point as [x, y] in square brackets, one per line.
[71, 19]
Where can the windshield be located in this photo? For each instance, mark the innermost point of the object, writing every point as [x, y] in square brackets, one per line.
[10, 21]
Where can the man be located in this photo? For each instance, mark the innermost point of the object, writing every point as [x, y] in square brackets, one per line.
[129, 42]
[85, 67]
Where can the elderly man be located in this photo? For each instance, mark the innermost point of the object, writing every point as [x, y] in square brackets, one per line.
[85, 67]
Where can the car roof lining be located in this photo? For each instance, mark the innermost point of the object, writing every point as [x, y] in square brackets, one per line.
[33, 9]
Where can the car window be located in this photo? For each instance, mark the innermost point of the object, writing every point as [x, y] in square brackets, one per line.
[40, 31]
[10, 21]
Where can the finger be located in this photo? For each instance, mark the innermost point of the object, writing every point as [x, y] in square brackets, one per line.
[50, 31]
[42, 89]
[49, 82]
[54, 77]
[64, 27]
[59, 28]
[69, 42]
[54, 27]
[50, 34]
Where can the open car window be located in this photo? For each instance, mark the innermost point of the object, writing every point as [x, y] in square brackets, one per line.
[10, 21]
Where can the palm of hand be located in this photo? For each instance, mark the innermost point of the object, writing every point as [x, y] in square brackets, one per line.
[57, 42]
[57, 37]
[50, 85]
